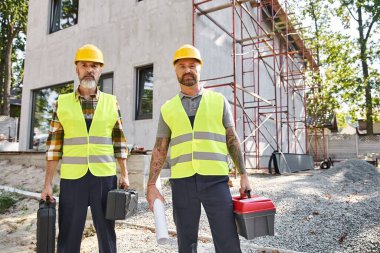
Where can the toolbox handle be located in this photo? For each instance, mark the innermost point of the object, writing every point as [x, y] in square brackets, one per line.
[247, 194]
[48, 202]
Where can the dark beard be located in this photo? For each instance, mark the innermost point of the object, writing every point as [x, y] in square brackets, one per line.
[188, 82]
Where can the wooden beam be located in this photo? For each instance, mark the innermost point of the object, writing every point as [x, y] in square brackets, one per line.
[255, 4]
[224, 6]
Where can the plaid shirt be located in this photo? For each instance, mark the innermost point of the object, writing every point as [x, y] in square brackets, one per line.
[54, 142]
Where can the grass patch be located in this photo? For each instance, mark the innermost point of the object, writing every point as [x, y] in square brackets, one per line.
[6, 201]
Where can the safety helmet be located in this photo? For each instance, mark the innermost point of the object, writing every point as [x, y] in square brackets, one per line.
[187, 51]
[89, 52]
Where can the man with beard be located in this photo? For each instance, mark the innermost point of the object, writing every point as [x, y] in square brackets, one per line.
[86, 134]
[198, 125]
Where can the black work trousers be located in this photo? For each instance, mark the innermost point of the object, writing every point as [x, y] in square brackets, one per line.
[214, 194]
[74, 199]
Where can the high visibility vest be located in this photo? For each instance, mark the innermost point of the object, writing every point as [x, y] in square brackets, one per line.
[201, 149]
[82, 149]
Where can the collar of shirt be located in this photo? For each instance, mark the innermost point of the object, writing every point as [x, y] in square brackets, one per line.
[78, 95]
[200, 93]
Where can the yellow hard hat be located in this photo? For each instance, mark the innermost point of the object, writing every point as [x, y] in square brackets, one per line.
[89, 52]
[187, 51]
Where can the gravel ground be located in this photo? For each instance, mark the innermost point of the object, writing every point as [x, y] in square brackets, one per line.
[334, 210]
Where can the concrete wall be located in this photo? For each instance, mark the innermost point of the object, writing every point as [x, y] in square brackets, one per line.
[129, 33]
[36, 159]
[6, 146]
[138, 167]
[344, 146]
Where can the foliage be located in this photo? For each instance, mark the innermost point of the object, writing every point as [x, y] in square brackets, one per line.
[349, 61]
[342, 123]
[365, 15]
[320, 104]
[6, 202]
[13, 23]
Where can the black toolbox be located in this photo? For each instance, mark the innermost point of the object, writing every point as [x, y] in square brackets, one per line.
[46, 216]
[121, 204]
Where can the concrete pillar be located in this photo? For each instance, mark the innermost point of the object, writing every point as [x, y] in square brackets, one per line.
[138, 169]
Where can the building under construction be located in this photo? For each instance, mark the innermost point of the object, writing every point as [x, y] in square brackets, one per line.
[253, 51]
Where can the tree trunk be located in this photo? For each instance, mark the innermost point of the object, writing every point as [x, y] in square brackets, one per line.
[366, 83]
[8, 75]
[2, 61]
[2, 70]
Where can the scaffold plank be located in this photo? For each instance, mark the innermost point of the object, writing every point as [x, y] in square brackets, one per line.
[224, 6]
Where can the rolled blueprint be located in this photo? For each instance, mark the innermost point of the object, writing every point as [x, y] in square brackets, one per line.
[160, 222]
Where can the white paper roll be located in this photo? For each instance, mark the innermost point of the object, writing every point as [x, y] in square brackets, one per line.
[160, 222]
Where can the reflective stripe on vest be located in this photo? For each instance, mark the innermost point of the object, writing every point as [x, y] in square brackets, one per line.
[82, 149]
[201, 149]
[93, 140]
[91, 159]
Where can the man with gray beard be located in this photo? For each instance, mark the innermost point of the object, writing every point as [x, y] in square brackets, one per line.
[86, 134]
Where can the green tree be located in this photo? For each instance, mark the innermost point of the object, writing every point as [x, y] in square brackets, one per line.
[342, 123]
[320, 103]
[347, 61]
[13, 23]
[362, 93]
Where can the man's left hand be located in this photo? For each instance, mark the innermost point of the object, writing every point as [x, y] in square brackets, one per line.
[123, 182]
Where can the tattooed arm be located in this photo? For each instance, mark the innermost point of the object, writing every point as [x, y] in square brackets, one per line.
[160, 151]
[233, 145]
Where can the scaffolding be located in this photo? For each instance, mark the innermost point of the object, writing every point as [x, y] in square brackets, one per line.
[267, 73]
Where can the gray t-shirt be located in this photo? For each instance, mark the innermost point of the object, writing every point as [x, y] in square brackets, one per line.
[191, 104]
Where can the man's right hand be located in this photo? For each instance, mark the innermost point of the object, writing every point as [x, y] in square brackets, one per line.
[152, 194]
[47, 192]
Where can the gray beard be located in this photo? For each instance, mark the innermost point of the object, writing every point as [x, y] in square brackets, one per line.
[88, 84]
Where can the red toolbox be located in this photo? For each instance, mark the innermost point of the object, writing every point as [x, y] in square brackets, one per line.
[254, 216]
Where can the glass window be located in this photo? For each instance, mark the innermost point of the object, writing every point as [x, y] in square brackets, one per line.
[43, 104]
[106, 83]
[144, 92]
[63, 14]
